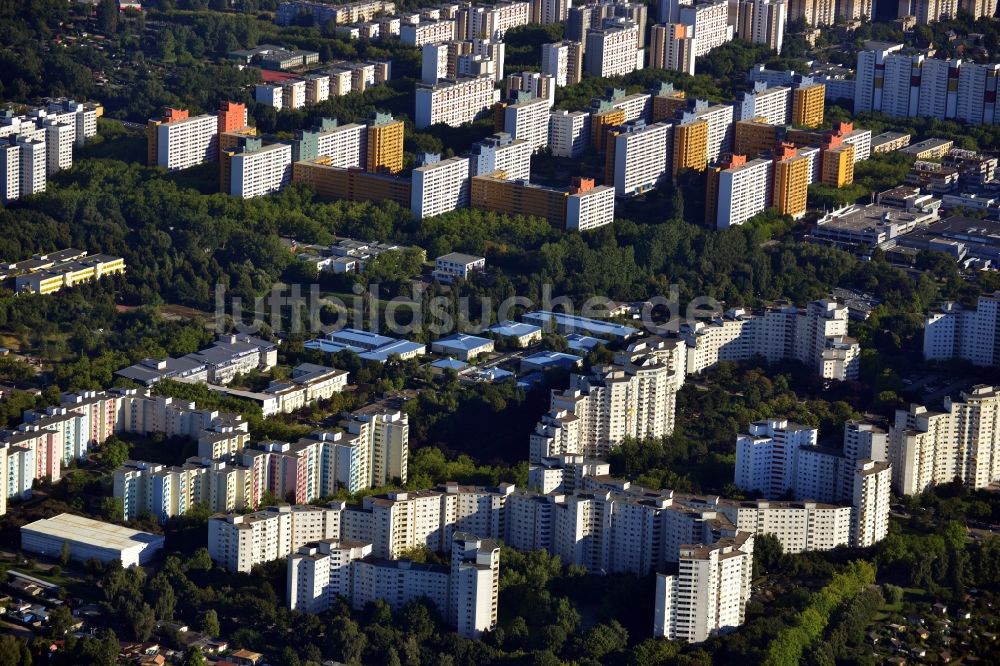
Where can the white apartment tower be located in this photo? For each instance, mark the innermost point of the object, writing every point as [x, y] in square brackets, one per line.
[528, 121]
[440, 187]
[928, 448]
[569, 133]
[633, 399]
[501, 152]
[263, 171]
[763, 22]
[709, 592]
[32, 159]
[720, 125]
[10, 170]
[766, 456]
[563, 61]
[744, 190]
[613, 50]
[774, 104]
[674, 47]
[475, 584]
[711, 24]
[454, 102]
[870, 74]
[186, 143]
[59, 139]
[871, 494]
[973, 335]
[642, 156]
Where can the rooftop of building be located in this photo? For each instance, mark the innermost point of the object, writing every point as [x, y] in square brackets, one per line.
[96, 533]
[595, 326]
[513, 328]
[460, 258]
[926, 144]
[400, 347]
[462, 342]
[862, 218]
[450, 364]
[552, 359]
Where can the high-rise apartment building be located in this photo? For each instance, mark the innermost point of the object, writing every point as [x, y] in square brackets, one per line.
[719, 119]
[187, 142]
[599, 410]
[547, 12]
[766, 456]
[808, 103]
[613, 50]
[528, 121]
[711, 24]
[31, 161]
[580, 207]
[928, 448]
[901, 84]
[778, 458]
[501, 152]
[871, 494]
[816, 13]
[762, 22]
[59, 140]
[690, 145]
[755, 137]
[837, 166]
[870, 75]
[239, 542]
[563, 61]
[709, 592]
[426, 32]
[791, 181]
[569, 133]
[674, 47]
[341, 146]
[744, 190]
[256, 169]
[465, 592]
[384, 144]
[10, 169]
[638, 157]
[772, 104]
[440, 186]
[815, 335]
[666, 102]
[454, 102]
[970, 334]
[491, 21]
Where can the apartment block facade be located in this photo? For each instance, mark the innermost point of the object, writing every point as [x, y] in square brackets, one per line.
[970, 334]
[928, 448]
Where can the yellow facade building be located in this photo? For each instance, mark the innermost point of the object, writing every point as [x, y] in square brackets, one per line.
[791, 181]
[754, 137]
[600, 123]
[838, 165]
[808, 105]
[385, 144]
[352, 184]
[691, 146]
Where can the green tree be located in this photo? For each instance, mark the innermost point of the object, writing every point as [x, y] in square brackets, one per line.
[113, 453]
[142, 620]
[14, 651]
[194, 657]
[210, 623]
[60, 621]
[64, 554]
[160, 594]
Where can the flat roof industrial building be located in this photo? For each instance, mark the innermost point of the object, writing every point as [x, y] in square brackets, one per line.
[89, 539]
